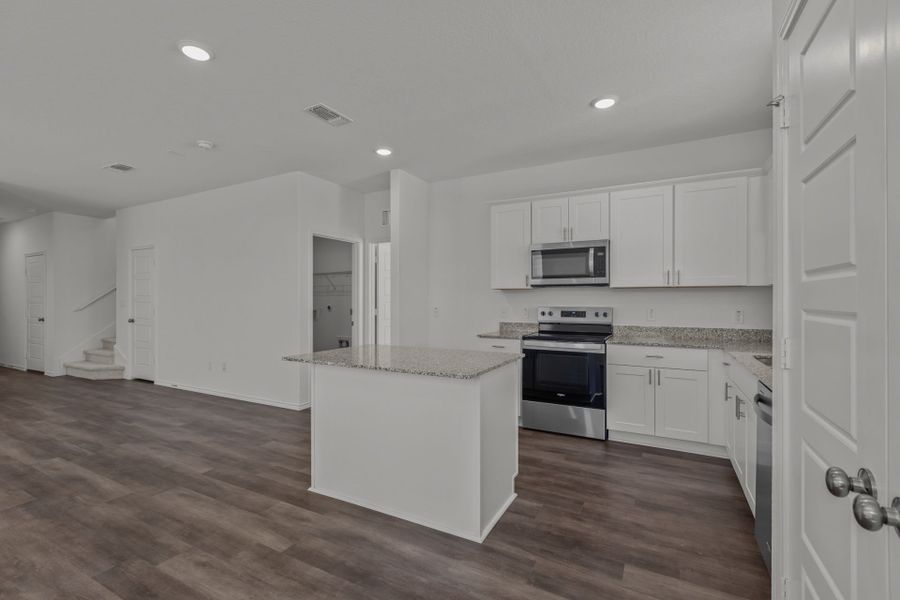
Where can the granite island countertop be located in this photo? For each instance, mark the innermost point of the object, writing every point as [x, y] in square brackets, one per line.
[741, 344]
[434, 362]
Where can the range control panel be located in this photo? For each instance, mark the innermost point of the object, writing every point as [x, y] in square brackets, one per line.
[574, 314]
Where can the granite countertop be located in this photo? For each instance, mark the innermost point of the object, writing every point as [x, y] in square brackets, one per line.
[511, 331]
[435, 362]
[742, 344]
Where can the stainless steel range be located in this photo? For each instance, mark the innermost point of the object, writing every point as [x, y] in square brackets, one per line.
[564, 371]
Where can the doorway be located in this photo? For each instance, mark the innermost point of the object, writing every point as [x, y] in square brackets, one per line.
[333, 293]
[36, 306]
[143, 314]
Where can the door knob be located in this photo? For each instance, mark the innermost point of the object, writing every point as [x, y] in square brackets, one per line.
[131, 320]
[40, 319]
[871, 516]
[840, 484]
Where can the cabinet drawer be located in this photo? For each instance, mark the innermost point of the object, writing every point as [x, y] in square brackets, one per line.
[499, 345]
[652, 356]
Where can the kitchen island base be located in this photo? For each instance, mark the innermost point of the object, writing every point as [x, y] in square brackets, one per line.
[436, 451]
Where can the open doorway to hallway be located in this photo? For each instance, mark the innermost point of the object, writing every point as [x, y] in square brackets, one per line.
[333, 318]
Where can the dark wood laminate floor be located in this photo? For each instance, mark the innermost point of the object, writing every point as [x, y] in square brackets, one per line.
[125, 490]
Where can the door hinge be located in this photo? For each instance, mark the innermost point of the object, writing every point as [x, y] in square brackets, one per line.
[786, 357]
[785, 588]
[781, 103]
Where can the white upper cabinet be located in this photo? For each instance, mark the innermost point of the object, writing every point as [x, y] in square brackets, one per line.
[589, 217]
[576, 219]
[510, 246]
[640, 237]
[710, 235]
[550, 220]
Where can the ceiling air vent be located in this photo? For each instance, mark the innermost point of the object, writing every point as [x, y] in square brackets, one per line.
[329, 115]
[121, 167]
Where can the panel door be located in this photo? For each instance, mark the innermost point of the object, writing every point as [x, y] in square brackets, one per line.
[143, 314]
[710, 237]
[36, 309]
[629, 402]
[589, 217]
[836, 293]
[510, 246]
[641, 237]
[682, 405]
[550, 220]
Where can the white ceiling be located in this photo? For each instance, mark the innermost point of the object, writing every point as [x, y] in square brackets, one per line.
[455, 87]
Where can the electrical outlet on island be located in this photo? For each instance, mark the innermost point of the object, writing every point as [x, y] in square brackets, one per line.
[651, 314]
[739, 316]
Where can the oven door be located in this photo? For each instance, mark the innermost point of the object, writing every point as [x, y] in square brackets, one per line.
[569, 263]
[572, 376]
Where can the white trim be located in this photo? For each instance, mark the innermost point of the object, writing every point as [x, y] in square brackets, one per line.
[628, 186]
[233, 396]
[790, 18]
[415, 519]
[16, 367]
[669, 444]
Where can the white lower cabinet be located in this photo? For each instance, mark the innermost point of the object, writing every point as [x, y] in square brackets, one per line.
[630, 402]
[650, 397]
[682, 405]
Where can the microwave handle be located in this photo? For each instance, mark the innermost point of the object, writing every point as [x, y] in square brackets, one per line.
[590, 252]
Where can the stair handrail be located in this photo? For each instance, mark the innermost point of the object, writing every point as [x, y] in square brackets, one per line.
[96, 299]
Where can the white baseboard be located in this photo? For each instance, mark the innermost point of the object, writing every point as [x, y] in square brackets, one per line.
[668, 444]
[16, 367]
[232, 396]
[413, 518]
[496, 518]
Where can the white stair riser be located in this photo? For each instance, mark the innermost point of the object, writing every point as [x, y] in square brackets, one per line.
[109, 344]
[95, 375]
[95, 357]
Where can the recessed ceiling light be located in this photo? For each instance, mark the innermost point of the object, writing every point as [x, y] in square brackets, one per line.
[383, 151]
[603, 103]
[195, 52]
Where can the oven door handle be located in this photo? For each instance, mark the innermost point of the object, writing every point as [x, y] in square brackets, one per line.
[577, 348]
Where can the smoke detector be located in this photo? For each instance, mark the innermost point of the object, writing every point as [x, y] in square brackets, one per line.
[120, 167]
[329, 115]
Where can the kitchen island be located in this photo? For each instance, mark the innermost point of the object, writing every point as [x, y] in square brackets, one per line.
[424, 434]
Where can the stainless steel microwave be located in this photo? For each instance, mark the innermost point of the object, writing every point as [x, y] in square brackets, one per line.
[570, 263]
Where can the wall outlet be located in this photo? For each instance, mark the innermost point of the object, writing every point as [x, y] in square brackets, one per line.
[651, 314]
[739, 316]
[524, 313]
[435, 312]
[504, 312]
[224, 367]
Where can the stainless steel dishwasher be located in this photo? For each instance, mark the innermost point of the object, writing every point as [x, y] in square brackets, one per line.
[762, 405]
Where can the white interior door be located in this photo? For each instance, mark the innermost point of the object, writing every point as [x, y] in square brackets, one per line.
[36, 303]
[143, 314]
[836, 295]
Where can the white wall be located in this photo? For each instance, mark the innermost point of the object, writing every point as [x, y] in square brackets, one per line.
[459, 265]
[410, 264]
[234, 272]
[84, 258]
[80, 266]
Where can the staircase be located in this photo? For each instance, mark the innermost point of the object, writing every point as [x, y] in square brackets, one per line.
[97, 364]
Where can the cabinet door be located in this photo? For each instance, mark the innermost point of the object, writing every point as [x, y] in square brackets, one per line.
[589, 217]
[716, 390]
[739, 414]
[682, 405]
[629, 401]
[550, 220]
[711, 233]
[510, 246]
[641, 237]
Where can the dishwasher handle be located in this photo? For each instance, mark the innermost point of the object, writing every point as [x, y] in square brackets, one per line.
[763, 408]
